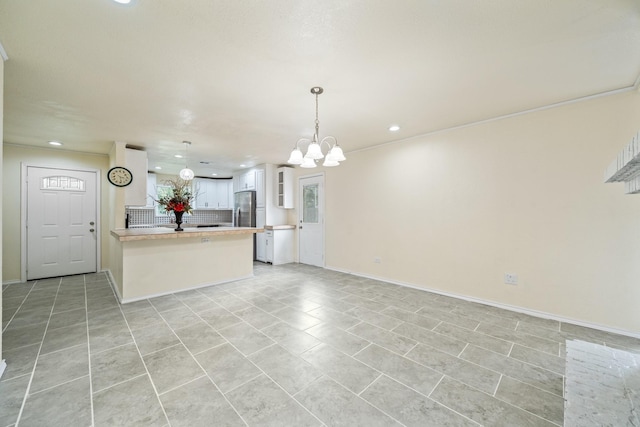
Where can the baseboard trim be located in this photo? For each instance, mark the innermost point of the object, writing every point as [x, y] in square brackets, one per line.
[3, 366]
[204, 285]
[112, 282]
[12, 282]
[530, 312]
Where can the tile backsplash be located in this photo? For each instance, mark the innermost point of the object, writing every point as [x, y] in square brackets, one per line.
[147, 217]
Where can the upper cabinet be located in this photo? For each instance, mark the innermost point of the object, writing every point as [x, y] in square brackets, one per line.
[260, 188]
[135, 194]
[151, 190]
[222, 191]
[212, 193]
[246, 181]
[284, 183]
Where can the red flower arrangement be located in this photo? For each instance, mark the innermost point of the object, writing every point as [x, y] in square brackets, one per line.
[180, 198]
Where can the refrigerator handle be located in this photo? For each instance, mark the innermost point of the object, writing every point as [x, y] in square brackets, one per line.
[238, 218]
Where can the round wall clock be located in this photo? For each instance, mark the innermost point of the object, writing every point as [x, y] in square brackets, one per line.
[119, 176]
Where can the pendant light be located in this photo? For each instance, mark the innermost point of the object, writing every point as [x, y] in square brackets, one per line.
[186, 173]
[314, 150]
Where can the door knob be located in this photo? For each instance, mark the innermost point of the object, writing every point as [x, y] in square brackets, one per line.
[91, 230]
[91, 223]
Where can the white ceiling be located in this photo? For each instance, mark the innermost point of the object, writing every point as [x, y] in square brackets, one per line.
[234, 76]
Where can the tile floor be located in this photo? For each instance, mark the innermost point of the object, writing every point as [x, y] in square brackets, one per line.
[293, 346]
[611, 369]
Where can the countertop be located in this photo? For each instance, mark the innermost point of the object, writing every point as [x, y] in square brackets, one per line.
[280, 227]
[132, 234]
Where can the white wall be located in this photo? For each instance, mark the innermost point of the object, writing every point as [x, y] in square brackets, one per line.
[456, 210]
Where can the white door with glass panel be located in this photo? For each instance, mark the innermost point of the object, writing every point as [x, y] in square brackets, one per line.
[311, 212]
[61, 222]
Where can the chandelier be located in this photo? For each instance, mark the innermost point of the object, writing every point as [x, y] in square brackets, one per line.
[186, 173]
[314, 150]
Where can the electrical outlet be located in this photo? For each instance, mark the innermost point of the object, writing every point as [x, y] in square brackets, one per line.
[205, 240]
[377, 260]
[510, 279]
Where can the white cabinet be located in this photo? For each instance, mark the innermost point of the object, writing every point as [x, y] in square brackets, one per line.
[135, 194]
[260, 189]
[279, 246]
[261, 243]
[202, 190]
[223, 188]
[151, 190]
[212, 193]
[284, 195]
[247, 181]
[268, 234]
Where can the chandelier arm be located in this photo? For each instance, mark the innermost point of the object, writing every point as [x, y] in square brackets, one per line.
[324, 140]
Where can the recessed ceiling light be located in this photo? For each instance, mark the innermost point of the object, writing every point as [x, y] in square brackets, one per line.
[394, 128]
[158, 167]
[214, 174]
[56, 143]
[122, 1]
[178, 156]
[243, 166]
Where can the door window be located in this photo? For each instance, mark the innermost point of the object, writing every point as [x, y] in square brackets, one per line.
[310, 206]
[62, 183]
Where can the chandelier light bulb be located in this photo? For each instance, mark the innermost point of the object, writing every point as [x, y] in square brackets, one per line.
[337, 154]
[296, 157]
[329, 162]
[308, 163]
[314, 152]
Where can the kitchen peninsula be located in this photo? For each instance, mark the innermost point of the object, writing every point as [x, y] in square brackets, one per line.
[157, 261]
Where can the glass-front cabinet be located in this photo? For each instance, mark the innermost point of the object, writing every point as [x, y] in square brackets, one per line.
[284, 195]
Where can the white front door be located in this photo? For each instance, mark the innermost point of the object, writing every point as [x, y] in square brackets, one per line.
[61, 222]
[311, 212]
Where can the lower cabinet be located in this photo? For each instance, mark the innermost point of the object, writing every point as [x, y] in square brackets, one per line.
[279, 246]
[261, 238]
[268, 235]
[261, 247]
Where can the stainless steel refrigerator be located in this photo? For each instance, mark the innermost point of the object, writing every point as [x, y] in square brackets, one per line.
[244, 212]
[245, 209]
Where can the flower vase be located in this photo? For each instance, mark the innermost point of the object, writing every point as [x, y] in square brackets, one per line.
[178, 220]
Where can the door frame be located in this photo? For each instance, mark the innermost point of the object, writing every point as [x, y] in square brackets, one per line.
[23, 212]
[324, 210]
